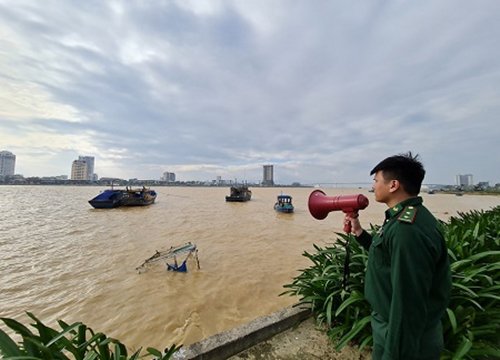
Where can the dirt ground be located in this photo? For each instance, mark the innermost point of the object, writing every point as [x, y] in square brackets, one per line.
[304, 342]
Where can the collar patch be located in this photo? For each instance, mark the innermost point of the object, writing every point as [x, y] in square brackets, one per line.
[394, 210]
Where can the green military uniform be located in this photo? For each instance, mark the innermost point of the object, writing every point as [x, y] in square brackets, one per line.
[407, 283]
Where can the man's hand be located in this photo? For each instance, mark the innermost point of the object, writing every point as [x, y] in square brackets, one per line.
[353, 219]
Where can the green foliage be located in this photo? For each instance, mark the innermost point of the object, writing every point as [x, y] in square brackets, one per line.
[471, 320]
[75, 341]
[344, 310]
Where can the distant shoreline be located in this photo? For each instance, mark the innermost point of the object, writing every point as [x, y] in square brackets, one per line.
[472, 192]
[158, 185]
[195, 184]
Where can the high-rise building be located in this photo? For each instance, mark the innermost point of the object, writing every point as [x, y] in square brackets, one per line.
[7, 163]
[268, 175]
[168, 177]
[79, 170]
[464, 180]
[89, 160]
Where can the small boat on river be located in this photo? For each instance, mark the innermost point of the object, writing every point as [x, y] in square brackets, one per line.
[284, 204]
[113, 198]
[239, 193]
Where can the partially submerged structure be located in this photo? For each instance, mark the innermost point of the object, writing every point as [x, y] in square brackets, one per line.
[175, 258]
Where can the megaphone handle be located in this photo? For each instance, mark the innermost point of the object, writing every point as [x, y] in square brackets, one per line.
[348, 225]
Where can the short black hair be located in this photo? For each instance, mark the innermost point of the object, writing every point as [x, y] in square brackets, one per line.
[405, 168]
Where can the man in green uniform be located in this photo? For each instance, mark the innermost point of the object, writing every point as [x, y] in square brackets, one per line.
[408, 279]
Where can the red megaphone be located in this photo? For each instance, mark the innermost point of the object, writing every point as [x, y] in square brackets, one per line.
[320, 205]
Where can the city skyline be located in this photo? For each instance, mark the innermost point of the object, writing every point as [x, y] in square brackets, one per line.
[323, 91]
[85, 171]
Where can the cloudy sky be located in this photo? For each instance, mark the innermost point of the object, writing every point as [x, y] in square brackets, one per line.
[322, 90]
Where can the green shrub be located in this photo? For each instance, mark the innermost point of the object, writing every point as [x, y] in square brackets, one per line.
[343, 309]
[472, 318]
[471, 324]
[75, 341]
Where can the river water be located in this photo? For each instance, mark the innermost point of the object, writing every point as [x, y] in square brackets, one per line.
[62, 259]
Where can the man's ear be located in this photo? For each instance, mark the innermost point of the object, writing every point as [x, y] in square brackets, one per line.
[394, 186]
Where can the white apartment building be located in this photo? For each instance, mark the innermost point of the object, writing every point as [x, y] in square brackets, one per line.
[7, 163]
[79, 170]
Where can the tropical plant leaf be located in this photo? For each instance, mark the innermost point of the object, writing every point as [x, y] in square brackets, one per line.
[154, 352]
[463, 349]
[358, 326]
[17, 327]
[453, 319]
[72, 339]
[353, 298]
[8, 347]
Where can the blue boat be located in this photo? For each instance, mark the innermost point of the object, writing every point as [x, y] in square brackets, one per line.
[284, 204]
[113, 198]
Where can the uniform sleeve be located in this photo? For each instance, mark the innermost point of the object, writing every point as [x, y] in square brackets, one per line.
[412, 266]
[365, 239]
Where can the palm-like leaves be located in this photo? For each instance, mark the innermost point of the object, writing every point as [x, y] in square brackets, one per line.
[344, 310]
[470, 326]
[75, 341]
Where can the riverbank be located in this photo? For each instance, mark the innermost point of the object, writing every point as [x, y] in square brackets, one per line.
[304, 341]
[288, 334]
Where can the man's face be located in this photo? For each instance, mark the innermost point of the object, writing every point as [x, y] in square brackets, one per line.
[381, 187]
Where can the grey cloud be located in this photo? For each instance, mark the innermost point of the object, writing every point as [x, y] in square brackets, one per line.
[321, 90]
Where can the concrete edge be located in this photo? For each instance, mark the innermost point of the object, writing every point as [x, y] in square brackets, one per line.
[231, 342]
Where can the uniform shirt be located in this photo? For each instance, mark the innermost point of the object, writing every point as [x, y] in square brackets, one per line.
[408, 279]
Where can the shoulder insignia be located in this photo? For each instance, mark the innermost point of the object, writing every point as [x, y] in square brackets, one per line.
[408, 214]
